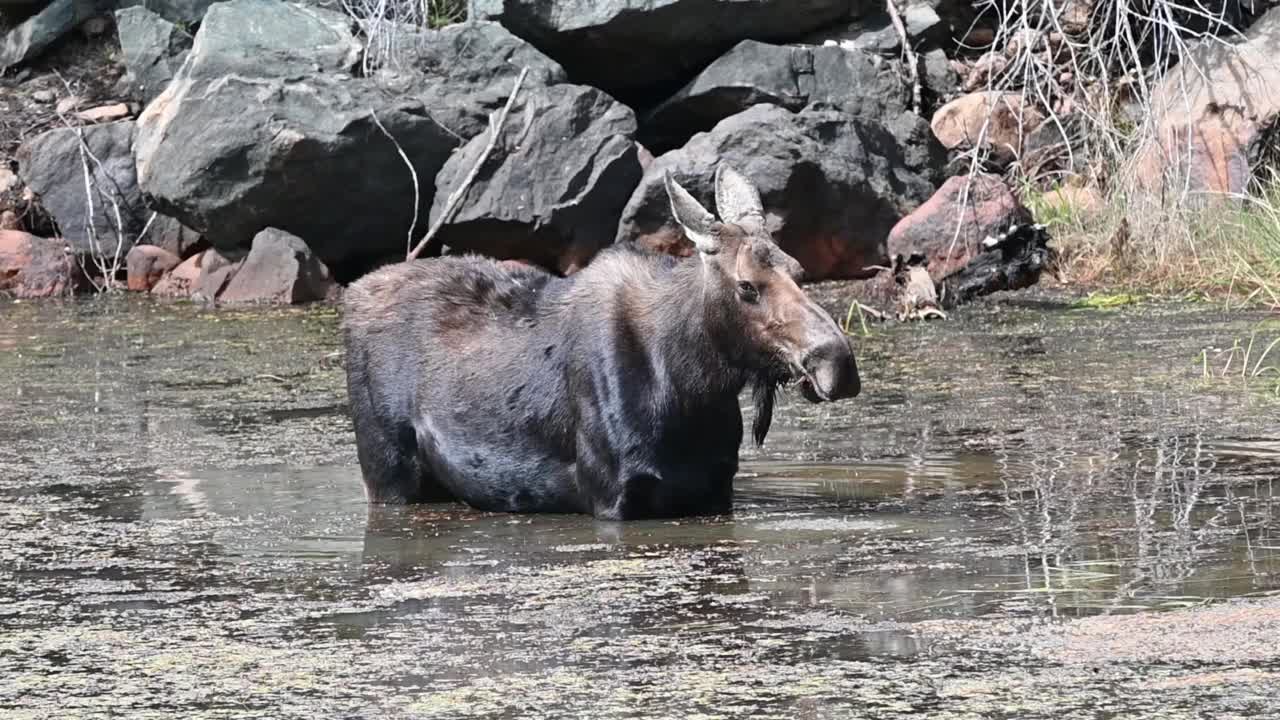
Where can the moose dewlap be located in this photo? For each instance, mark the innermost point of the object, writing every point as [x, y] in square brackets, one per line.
[613, 391]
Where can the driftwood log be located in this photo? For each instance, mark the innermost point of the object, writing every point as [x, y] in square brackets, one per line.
[1011, 260]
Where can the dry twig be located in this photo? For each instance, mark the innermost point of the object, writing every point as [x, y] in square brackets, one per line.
[451, 206]
[108, 268]
[908, 54]
[413, 224]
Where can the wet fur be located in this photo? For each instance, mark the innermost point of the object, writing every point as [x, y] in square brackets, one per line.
[613, 391]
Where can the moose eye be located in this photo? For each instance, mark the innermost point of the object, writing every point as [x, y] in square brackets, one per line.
[748, 292]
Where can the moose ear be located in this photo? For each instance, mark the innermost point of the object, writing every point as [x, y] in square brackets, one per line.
[737, 199]
[698, 224]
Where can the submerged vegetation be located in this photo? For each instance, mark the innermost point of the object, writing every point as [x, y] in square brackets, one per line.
[1255, 361]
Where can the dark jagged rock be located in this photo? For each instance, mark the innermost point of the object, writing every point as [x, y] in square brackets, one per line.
[32, 36]
[53, 167]
[270, 38]
[790, 76]
[186, 12]
[632, 49]
[266, 125]
[153, 49]
[553, 188]
[833, 185]
[166, 232]
[938, 79]
[876, 33]
[478, 61]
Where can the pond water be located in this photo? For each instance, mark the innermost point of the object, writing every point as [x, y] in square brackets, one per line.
[1033, 509]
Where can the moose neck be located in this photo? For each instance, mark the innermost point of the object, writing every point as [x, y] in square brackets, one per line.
[693, 331]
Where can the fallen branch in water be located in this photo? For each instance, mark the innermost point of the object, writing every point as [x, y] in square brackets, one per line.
[450, 207]
[1012, 259]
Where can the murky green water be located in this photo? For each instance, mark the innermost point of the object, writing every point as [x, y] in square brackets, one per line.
[1031, 511]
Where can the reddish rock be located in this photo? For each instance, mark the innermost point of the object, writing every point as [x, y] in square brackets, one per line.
[1210, 110]
[180, 282]
[959, 123]
[931, 228]
[104, 113]
[216, 270]
[36, 267]
[202, 276]
[979, 37]
[147, 264]
[1205, 151]
[280, 269]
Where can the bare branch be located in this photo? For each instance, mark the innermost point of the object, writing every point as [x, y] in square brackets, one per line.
[417, 194]
[109, 269]
[451, 206]
[908, 55]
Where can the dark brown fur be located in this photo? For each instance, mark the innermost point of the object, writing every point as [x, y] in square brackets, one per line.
[613, 391]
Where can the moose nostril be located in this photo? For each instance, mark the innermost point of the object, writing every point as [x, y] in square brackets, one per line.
[833, 369]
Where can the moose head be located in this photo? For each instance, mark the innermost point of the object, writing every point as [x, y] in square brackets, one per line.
[753, 287]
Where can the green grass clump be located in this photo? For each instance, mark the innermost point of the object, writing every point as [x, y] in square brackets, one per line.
[1226, 248]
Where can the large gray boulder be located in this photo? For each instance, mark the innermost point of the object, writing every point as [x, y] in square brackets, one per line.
[185, 12]
[464, 72]
[153, 49]
[53, 166]
[269, 38]
[267, 125]
[281, 270]
[630, 48]
[30, 37]
[552, 190]
[231, 158]
[876, 33]
[833, 184]
[790, 76]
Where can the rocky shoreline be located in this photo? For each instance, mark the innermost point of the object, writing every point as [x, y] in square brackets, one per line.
[256, 151]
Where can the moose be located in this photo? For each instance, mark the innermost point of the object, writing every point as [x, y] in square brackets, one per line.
[612, 391]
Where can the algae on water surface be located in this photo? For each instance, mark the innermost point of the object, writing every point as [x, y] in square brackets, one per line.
[1031, 512]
